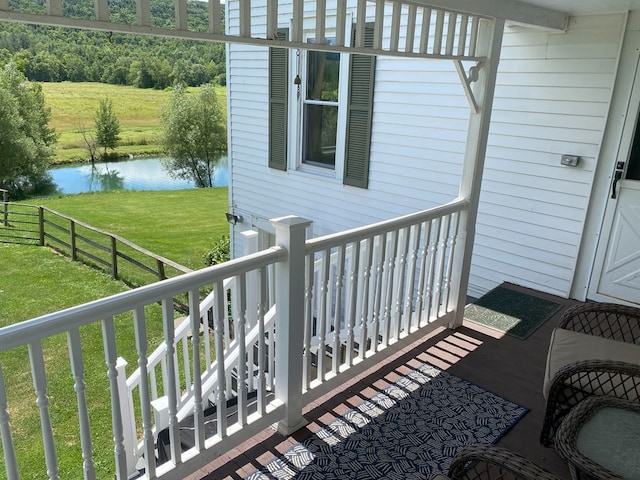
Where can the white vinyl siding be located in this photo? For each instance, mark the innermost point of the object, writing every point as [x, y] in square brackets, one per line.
[552, 98]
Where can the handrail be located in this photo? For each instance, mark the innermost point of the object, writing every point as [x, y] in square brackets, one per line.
[348, 236]
[45, 326]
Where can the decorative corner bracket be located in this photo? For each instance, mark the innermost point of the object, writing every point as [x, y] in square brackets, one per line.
[467, 80]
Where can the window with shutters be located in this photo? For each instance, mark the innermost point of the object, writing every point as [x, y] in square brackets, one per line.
[319, 107]
[320, 113]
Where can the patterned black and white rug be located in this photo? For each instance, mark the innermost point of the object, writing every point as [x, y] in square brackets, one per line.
[410, 430]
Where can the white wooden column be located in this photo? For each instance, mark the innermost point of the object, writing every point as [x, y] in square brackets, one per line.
[489, 45]
[290, 234]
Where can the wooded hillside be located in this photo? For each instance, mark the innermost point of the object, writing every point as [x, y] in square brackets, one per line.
[52, 54]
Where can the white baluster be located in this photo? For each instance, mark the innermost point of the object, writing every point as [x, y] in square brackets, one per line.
[198, 413]
[341, 22]
[245, 18]
[321, 15]
[392, 252]
[220, 318]
[420, 301]
[366, 297]
[451, 33]
[378, 314]
[437, 37]
[403, 247]
[262, 309]
[298, 19]
[473, 42]
[462, 36]
[433, 253]
[181, 14]
[378, 28]
[324, 312]
[395, 27]
[171, 385]
[143, 12]
[110, 355]
[102, 10]
[352, 301]
[272, 18]
[129, 439]
[308, 319]
[77, 371]
[451, 243]
[411, 28]
[337, 318]
[148, 448]
[424, 31]
[361, 19]
[214, 16]
[42, 400]
[242, 367]
[411, 271]
[10, 461]
[442, 250]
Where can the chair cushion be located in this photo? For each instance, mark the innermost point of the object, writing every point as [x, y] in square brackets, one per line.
[567, 347]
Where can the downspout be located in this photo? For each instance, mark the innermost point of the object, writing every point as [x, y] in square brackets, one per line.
[489, 46]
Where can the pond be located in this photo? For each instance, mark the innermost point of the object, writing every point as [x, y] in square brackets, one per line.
[136, 174]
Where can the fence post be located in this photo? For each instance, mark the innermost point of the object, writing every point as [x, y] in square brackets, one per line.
[72, 233]
[290, 234]
[161, 274]
[114, 258]
[41, 225]
[128, 427]
[5, 200]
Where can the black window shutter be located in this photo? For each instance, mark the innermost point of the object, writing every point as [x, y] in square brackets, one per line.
[278, 103]
[359, 112]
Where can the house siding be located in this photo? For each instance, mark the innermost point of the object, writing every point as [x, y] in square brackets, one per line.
[551, 98]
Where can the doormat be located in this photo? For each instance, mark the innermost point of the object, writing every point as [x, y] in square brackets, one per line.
[412, 429]
[511, 311]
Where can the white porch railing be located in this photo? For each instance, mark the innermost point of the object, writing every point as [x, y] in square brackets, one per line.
[341, 303]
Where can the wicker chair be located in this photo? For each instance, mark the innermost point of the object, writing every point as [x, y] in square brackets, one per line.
[596, 351]
[487, 462]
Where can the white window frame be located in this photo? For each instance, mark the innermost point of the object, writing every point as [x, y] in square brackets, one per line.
[296, 112]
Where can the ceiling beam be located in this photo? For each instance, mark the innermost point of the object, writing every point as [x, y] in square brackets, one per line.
[509, 10]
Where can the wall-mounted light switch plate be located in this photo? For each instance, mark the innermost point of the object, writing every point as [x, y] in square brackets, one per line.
[569, 160]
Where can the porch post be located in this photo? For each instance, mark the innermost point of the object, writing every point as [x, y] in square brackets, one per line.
[290, 234]
[489, 45]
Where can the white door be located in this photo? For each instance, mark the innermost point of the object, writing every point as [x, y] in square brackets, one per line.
[620, 277]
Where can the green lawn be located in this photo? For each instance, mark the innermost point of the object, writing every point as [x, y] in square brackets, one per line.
[74, 105]
[180, 225]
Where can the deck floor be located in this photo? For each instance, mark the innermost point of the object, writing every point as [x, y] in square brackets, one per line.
[505, 365]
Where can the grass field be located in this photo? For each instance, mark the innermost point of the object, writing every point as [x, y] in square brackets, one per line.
[180, 225]
[74, 105]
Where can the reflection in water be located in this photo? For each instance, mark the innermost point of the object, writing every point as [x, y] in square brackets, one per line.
[138, 174]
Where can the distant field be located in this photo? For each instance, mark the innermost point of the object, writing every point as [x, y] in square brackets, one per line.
[74, 105]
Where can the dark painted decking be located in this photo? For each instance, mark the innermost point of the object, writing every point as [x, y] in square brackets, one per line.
[505, 365]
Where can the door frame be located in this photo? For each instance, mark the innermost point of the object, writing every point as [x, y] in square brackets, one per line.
[616, 146]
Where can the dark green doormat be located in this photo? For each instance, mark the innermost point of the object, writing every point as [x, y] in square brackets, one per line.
[511, 311]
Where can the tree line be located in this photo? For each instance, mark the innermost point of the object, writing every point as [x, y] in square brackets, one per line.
[53, 54]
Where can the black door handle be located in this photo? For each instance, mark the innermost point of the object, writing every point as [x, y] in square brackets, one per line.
[616, 178]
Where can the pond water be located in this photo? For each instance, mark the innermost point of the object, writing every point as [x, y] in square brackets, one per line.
[136, 174]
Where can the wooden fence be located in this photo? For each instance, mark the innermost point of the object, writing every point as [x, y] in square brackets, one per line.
[124, 260]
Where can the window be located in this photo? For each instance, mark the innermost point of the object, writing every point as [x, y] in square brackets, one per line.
[333, 128]
[320, 101]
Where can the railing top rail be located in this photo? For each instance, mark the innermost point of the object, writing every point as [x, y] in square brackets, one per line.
[348, 236]
[124, 241]
[58, 322]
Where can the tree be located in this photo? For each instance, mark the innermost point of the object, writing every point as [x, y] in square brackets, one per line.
[195, 134]
[107, 126]
[26, 141]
